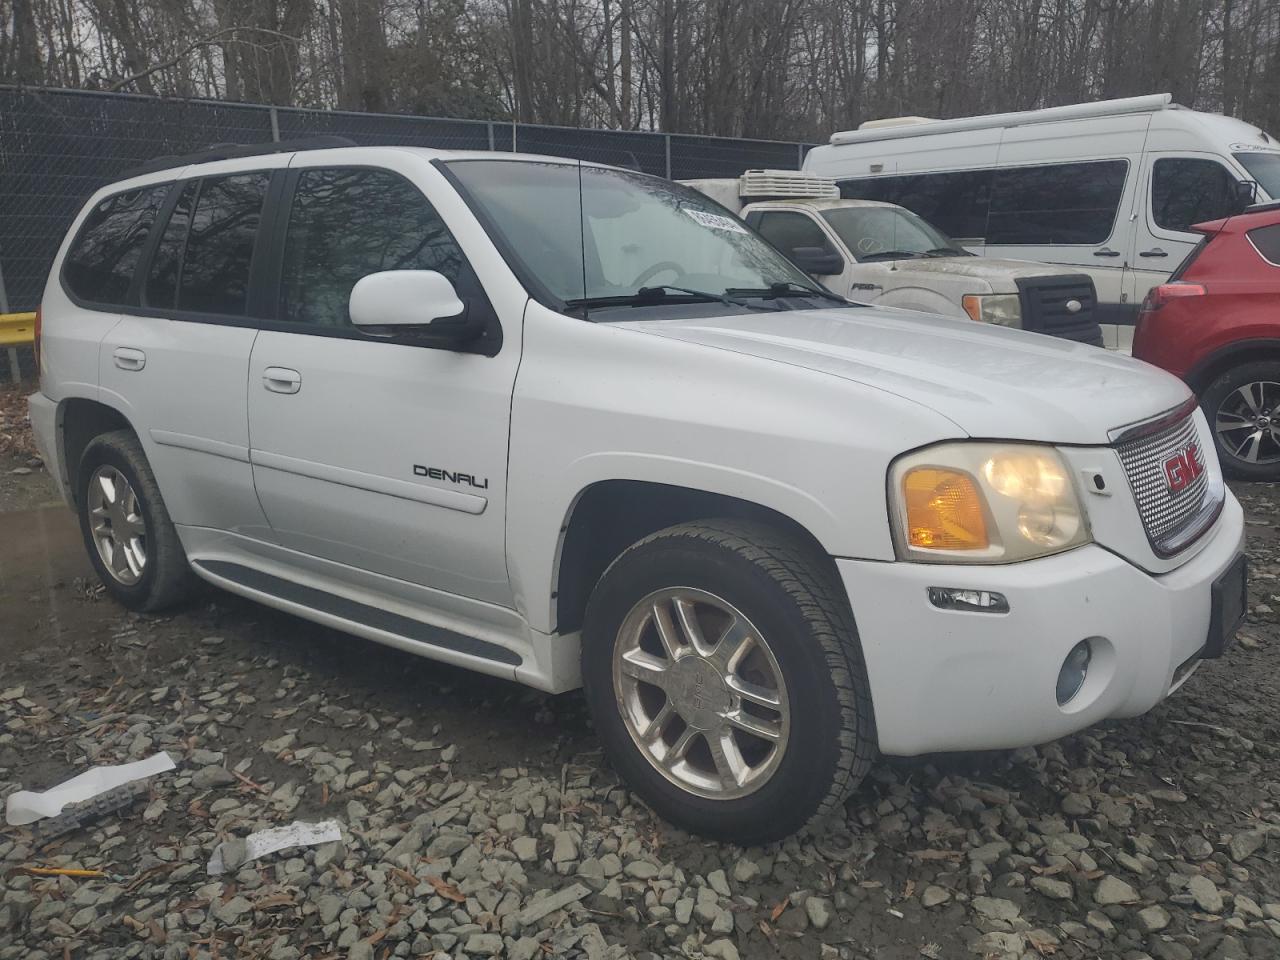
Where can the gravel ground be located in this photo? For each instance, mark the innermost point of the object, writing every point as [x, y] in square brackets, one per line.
[479, 820]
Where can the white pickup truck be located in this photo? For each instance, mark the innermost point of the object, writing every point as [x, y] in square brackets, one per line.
[884, 254]
[572, 425]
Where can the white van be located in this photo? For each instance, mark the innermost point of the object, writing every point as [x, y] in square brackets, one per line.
[1108, 188]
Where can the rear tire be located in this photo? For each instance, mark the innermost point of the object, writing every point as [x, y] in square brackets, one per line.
[1243, 409]
[754, 715]
[131, 541]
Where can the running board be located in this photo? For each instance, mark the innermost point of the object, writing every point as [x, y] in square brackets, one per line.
[356, 613]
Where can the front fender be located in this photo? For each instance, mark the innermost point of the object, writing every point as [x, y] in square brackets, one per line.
[921, 299]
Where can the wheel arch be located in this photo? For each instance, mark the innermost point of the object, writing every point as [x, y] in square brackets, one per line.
[79, 420]
[608, 516]
[1200, 376]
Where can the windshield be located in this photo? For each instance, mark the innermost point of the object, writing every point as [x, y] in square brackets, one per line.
[1263, 167]
[633, 232]
[874, 232]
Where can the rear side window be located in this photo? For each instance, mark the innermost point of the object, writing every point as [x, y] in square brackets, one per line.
[1266, 240]
[956, 202]
[1185, 191]
[1061, 203]
[100, 266]
[346, 223]
[787, 230]
[224, 225]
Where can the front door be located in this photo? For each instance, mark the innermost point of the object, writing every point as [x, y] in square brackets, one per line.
[387, 457]
[1178, 190]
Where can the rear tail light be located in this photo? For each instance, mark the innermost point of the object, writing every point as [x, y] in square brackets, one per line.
[1176, 290]
[35, 343]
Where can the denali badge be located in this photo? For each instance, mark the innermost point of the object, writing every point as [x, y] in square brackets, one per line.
[1182, 468]
[435, 473]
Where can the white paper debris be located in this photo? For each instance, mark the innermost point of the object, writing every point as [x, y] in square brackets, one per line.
[26, 807]
[296, 834]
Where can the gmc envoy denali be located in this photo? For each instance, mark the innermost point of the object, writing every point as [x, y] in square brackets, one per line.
[578, 426]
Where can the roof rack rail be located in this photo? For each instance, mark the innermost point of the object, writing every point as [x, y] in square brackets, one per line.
[228, 151]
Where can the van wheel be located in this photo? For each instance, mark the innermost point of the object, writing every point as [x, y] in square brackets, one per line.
[131, 540]
[1243, 408]
[724, 674]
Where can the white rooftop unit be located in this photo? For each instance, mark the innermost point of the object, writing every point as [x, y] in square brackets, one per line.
[783, 184]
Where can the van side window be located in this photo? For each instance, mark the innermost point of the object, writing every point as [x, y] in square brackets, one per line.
[224, 226]
[1060, 203]
[1266, 240]
[100, 266]
[347, 223]
[955, 202]
[786, 230]
[1187, 190]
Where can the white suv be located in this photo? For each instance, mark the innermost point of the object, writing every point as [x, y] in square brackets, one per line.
[574, 425]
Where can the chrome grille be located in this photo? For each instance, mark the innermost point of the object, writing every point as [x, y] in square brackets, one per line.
[1172, 520]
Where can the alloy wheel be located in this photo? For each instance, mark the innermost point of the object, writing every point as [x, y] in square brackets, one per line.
[1247, 422]
[701, 693]
[115, 520]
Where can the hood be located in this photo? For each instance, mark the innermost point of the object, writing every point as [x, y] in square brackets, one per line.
[991, 382]
[982, 268]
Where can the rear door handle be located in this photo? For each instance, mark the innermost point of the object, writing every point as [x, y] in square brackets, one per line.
[1106, 252]
[1153, 252]
[127, 358]
[281, 380]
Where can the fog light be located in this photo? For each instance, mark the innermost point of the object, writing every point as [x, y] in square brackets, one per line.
[978, 601]
[1074, 668]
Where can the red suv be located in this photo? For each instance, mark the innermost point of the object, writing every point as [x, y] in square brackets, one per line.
[1216, 324]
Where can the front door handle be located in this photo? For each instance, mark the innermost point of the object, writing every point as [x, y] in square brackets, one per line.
[127, 358]
[1106, 252]
[281, 380]
[1153, 252]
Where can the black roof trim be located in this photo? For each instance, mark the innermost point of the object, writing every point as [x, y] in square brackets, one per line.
[1263, 207]
[229, 151]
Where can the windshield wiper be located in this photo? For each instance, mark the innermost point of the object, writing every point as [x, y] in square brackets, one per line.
[949, 252]
[786, 288]
[893, 255]
[657, 294]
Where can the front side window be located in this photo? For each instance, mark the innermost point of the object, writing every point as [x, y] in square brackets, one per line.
[1187, 191]
[584, 234]
[346, 223]
[886, 233]
[100, 266]
[1060, 203]
[788, 230]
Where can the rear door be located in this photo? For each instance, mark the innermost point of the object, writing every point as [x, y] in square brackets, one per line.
[386, 457]
[177, 361]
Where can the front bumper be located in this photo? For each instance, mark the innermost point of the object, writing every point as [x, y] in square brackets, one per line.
[953, 680]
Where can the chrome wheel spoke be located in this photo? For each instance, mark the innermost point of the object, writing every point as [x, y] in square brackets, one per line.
[658, 722]
[645, 668]
[1246, 394]
[754, 693]
[1248, 449]
[1228, 420]
[730, 765]
[668, 634]
[680, 749]
[687, 615]
[734, 644]
[750, 723]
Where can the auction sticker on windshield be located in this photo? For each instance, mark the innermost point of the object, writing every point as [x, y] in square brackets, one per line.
[715, 221]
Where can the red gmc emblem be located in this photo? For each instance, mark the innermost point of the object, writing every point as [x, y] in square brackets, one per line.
[1182, 468]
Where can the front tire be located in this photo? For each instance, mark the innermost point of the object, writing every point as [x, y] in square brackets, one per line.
[1243, 409]
[723, 670]
[131, 541]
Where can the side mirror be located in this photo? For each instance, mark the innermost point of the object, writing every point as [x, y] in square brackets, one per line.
[1245, 195]
[411, 303]
[817, 260]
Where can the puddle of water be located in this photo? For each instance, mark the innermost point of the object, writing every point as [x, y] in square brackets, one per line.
[41, 554]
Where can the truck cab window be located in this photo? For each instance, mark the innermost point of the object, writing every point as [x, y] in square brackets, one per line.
[787, 230]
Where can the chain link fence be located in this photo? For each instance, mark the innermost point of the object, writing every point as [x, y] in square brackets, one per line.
[58, 146]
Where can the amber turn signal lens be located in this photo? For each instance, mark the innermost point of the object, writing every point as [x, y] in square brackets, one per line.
[944, 510]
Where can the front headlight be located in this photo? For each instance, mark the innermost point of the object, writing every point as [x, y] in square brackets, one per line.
[984, 503]
[1001, 308]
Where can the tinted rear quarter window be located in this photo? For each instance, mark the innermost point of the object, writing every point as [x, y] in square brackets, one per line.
[1266, 240]
[1186, 191]
[1061, 203]
[100, 266]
